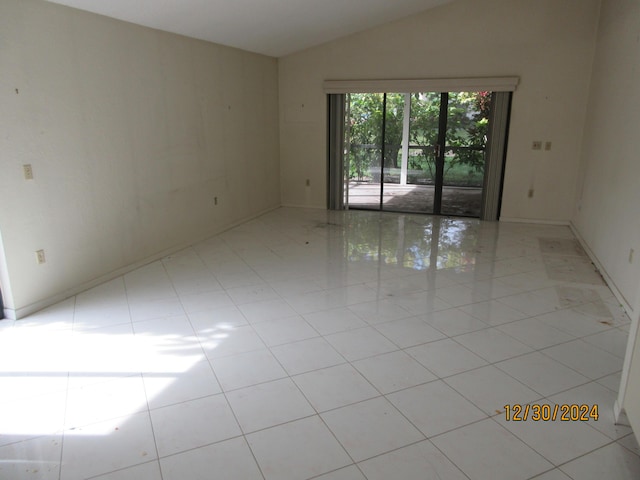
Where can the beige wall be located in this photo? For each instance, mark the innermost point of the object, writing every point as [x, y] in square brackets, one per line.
[547, 43]
[131, 133]
[607, 211]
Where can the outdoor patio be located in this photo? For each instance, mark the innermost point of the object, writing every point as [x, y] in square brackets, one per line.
[457, 201]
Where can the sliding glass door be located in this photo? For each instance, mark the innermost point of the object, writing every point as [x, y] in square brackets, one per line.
[422, 152]
[465, 145]
[364, 133]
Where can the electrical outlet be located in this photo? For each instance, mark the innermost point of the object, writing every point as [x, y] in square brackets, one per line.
[536, 145]
[547, 146]
[28, 171]
[40, 257]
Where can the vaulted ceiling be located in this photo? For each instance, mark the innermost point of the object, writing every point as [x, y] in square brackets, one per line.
[270, 27]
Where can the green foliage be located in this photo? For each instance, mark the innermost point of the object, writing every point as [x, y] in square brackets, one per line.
[466, 135]
[365, 131]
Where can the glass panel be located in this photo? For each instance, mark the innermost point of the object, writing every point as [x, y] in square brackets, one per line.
[466, 141]
[416, 193]
[364, 140]
[394, 120]
[406, 180]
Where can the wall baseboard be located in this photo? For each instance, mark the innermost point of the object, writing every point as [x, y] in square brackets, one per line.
[312, 207]
[603, 271]
[563, 223]
[618, 407]
[18, 313]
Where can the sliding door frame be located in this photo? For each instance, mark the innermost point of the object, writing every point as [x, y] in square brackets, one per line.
[440, 152]
[337, 168]
[501, 88]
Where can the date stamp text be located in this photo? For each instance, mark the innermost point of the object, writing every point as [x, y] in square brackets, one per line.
[550, 413]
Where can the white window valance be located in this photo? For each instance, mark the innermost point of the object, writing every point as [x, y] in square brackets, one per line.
[475, 84]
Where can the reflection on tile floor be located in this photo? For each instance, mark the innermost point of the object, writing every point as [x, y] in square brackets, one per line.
[329, 345]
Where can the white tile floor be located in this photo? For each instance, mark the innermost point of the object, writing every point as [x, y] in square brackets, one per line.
[329, 345]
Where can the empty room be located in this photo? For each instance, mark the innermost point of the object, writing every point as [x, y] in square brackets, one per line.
[357, 240]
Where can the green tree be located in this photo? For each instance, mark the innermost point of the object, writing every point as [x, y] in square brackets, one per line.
[423, 132]
[467, 129]
[466, 136]
[365, 116]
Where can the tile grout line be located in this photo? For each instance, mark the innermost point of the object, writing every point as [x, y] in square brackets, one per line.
[64, 417]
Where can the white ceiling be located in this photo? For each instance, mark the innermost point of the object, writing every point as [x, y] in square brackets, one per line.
[271, 27]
